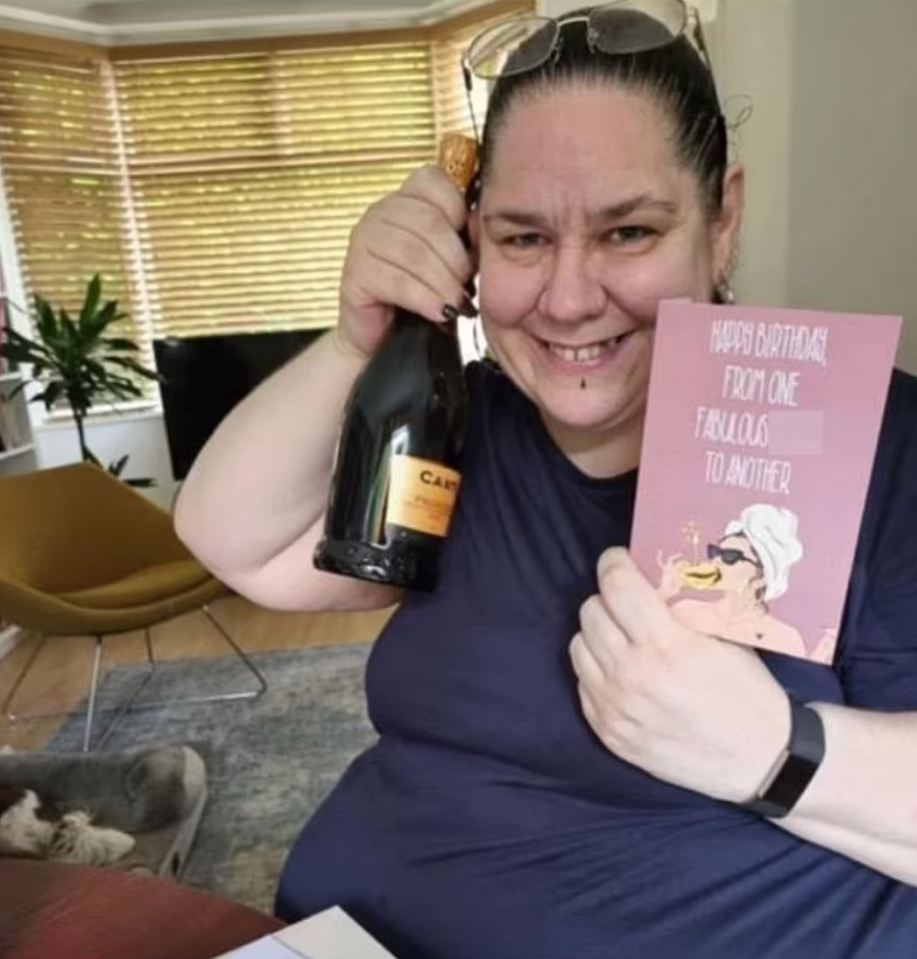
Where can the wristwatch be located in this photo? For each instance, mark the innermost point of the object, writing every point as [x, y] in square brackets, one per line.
[795, 766]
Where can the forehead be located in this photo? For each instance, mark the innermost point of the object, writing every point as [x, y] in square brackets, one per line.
[736, 541]
[579, 141]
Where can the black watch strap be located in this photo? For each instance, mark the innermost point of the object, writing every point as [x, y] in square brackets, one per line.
[796, 765]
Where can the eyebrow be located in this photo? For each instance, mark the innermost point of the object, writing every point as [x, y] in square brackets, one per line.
[617, 211]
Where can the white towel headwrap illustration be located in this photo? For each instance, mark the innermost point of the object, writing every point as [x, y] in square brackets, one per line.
[771, 531]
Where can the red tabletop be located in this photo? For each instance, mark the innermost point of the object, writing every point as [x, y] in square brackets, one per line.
[50, 910]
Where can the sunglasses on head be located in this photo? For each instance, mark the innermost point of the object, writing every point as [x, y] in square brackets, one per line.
[728, 555]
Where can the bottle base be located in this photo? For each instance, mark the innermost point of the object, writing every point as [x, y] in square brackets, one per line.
[392, 565]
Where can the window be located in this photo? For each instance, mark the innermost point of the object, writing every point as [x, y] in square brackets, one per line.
[214, 186]
[58, 149]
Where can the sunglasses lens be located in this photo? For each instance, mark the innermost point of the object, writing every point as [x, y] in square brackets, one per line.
[728, 556]
[512, 47]
[633, 26]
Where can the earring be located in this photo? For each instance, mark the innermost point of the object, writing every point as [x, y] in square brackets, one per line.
[724, 290]
[725, 293]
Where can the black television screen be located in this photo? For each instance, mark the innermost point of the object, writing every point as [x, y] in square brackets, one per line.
[206, 376]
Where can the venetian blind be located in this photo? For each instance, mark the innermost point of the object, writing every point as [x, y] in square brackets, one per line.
[58, 147]
[449, 41]
[248, 171]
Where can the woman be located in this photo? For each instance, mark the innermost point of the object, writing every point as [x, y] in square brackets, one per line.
[747, 568]
[561, 764]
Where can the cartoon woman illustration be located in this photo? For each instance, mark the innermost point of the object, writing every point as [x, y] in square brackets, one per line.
[750, 566]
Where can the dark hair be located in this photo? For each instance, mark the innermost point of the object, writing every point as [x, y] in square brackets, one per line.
[674, 74]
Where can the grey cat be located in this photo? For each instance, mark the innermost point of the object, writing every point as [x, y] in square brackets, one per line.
[132, 790]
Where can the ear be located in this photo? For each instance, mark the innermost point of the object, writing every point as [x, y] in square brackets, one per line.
[727, 225]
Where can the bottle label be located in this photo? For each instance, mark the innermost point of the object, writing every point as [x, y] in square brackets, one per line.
[421, 494]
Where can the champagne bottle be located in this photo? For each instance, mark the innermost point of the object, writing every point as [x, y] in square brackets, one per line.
[396, 475]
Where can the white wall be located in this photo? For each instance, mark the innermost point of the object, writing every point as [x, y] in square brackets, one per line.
[752, 51]
[831, 152]
[853, 192]
[141, 435]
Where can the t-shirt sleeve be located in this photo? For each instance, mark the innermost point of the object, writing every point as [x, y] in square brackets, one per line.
[878, 655]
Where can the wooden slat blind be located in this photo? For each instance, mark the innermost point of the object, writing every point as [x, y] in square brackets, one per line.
[449, 41]
[60, 166]
[215, 188]
[248, 172]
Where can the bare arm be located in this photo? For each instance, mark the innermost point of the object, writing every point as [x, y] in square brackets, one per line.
[252, 507]
[862, 802]
[709, 715]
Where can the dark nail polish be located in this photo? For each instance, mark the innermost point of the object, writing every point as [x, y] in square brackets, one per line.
[450, 313]
[468, 308]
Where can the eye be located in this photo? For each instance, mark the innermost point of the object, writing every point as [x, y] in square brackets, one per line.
[631, 235]
[522, 241]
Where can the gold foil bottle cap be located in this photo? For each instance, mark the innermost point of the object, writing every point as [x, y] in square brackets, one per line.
[458, 156]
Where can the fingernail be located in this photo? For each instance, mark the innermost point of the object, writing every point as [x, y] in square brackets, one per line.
[450, 313]
[467, 308]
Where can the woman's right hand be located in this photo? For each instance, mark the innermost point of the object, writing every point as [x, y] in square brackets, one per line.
[405, 251]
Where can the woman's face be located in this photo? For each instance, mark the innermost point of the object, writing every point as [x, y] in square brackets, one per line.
[586, 222]
[738, 577]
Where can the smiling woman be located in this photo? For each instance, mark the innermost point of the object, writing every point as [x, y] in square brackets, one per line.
[563, 767]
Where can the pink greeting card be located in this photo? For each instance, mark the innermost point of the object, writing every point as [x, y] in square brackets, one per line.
[760, 434]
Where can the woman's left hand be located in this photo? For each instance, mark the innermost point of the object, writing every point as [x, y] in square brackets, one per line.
[685, 707]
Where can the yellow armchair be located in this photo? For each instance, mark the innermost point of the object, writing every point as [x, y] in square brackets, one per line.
[83, 553]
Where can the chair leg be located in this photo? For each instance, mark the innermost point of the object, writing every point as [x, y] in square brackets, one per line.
[128, 703]
[11, 695]
[131, 704]
[217, 697]
[253, 669]
[93, 690]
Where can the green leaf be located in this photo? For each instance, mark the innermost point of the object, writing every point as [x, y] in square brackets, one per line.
[117, 467]
[72, 334]
[47, 322]
[134, 367]
[119, 344]
[18, 353]
[91, 302]
[52, 393]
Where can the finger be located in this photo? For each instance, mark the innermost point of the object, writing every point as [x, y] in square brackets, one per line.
[400, 243]
[432, 226]
[587, 705]
[394, 286]
[632, 601]
[601, 635]
[433, 185]
[585, 665]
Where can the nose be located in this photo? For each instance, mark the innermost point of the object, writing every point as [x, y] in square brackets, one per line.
[572, 290]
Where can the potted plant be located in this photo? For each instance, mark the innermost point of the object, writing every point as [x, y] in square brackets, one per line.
[76, 360]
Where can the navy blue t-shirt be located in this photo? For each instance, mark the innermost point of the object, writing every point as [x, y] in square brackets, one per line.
[490, 823]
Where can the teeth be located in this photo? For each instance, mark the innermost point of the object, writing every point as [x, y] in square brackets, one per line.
[584, 354]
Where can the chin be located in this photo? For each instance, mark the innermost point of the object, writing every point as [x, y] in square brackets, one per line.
[590, 413]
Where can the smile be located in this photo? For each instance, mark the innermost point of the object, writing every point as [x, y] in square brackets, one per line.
[590, 353]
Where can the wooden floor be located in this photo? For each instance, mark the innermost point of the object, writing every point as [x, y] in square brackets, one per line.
[59, 677]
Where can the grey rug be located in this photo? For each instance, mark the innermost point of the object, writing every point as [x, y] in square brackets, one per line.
[270, 761]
